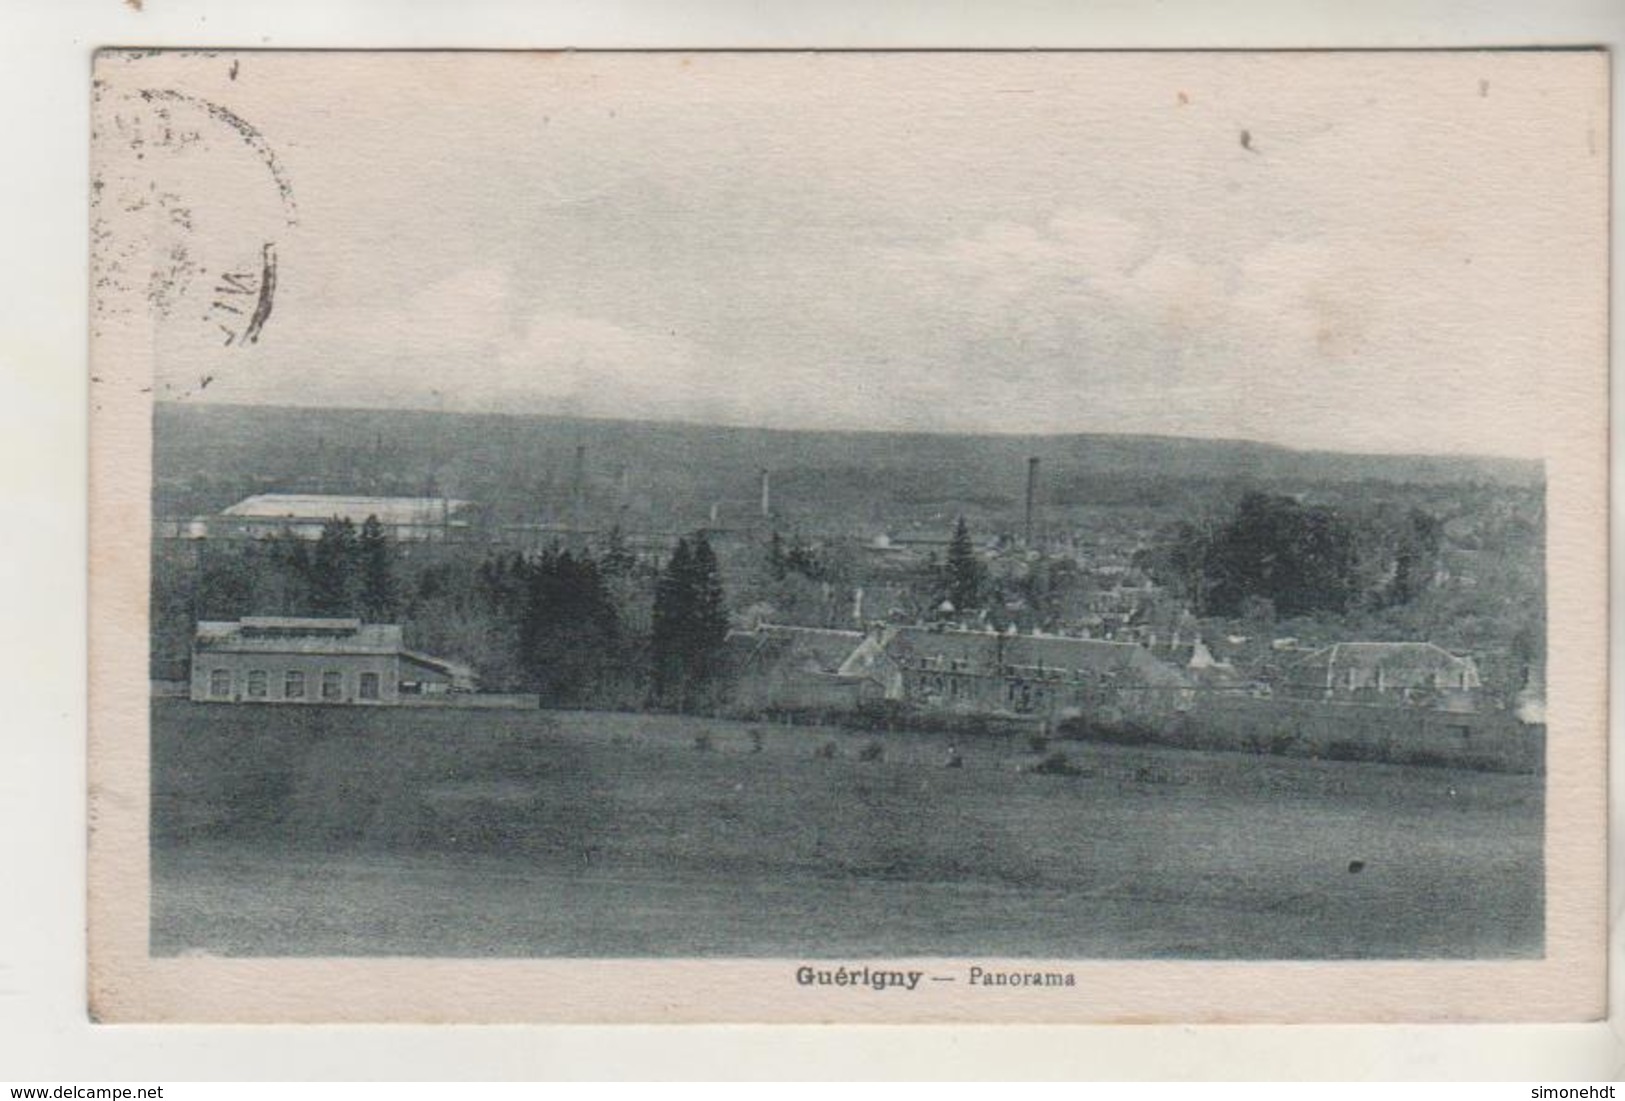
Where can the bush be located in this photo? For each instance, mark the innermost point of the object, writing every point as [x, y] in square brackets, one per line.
[1057, 764]
[873, 751]
[702, 742]
[1352, 751]
[1281, 743]
[1112, 732]
[827, 752]
[1038, 743]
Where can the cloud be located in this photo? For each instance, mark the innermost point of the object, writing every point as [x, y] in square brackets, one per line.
[573, 363]
[625, 237]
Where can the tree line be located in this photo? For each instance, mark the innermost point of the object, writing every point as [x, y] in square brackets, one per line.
[1296, 558]
[576, 627]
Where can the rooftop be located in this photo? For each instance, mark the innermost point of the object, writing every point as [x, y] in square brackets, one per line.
[986, 649]
[1369, 655]
[319, 506]
[287, 636]
[297, 625]
[812, 649]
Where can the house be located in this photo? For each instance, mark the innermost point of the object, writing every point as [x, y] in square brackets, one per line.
[405, 519]
[798, 667]
[1417, 673]
[1211, 672]
[285, 660]
[1047, 676]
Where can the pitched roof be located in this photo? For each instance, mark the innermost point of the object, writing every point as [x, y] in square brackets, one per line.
[989, 649]
[458, 671]
[1389, 656]
[805, 649]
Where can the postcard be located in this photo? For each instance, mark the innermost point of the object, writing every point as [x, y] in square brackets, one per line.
[867, 537]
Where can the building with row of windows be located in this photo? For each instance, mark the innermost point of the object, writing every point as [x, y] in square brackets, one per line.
[275, 659]
[1057, 677]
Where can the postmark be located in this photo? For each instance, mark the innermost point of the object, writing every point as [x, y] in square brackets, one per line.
[190, 204]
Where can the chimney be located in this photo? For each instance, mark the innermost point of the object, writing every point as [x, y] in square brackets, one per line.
[578, 486]
[767, 495]
[1032, 496]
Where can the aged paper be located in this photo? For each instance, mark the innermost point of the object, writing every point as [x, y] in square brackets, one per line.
[781, 537]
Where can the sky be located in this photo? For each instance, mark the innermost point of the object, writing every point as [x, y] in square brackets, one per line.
[1365, 252]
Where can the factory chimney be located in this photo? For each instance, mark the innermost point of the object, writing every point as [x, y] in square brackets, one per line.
[1032, 495]
[578, 487]
[767, 495]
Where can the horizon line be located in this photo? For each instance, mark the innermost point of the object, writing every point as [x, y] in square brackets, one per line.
[989, 433]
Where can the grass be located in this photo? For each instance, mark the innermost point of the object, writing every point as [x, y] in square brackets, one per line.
[332, 831]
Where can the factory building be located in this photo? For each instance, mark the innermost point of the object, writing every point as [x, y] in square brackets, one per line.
[405, 519]
[284, 660]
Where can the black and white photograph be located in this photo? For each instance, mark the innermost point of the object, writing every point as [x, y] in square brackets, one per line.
[932, 534]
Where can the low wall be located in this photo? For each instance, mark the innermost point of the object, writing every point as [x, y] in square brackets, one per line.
[477, 701]
[1488, 740]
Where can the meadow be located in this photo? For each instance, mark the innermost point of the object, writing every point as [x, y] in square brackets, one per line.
[352, 832]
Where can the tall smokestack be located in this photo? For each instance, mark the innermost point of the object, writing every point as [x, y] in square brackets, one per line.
[767, 495]
[578, 486]
[1032, 495]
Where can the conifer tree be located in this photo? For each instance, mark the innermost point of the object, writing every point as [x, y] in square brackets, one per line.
[776, 564]
[963, 581]
[690, 626]
[617, 559]
[377, 581]
[710, 614]
[568, 628]
[333, 569]
[672, 611]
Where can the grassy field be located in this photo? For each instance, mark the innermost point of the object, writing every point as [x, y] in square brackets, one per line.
[333, 831]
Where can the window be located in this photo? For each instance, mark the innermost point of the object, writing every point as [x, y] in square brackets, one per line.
[369, 686]
[220, 684]
[332, 685]
[293, 685]
[257, 684]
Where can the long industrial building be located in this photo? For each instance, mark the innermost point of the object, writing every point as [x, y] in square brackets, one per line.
[287, 660]
[405, 519]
